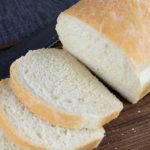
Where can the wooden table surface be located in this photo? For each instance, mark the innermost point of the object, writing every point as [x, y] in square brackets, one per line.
[131, 131]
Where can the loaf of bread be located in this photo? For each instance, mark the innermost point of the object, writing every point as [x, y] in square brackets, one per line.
[112, 37]
[59, 89]
[29, 132]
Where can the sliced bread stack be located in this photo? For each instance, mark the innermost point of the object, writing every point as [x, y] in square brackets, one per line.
[52, 102]
[29, 132]
[112, 38]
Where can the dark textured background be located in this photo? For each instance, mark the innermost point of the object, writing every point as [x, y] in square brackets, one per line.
[21, 18]
[27, 25]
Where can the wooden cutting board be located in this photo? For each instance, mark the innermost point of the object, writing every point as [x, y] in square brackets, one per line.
[131, 131]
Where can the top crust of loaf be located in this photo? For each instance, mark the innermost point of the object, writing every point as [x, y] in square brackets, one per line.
[124, 22]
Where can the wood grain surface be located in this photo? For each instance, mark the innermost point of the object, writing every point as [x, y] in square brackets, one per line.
[131, 131]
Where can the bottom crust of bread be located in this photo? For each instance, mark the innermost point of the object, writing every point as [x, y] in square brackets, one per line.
[109, 118]
[91, 145]
[145, 90]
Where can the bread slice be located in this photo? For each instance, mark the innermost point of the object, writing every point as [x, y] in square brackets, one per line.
[112, 38]
[6, 144]
[31, 133]
[59, 89]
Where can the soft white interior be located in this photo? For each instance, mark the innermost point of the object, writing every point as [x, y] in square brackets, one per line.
[40, 132]
[100, 55]
[58, 79]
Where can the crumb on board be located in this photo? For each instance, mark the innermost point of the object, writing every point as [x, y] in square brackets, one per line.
[139, 111]
[133, 129]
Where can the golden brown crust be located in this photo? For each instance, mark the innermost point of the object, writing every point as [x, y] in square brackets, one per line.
[125, 22]
[145, 90]
[109, 118]
[14, 136]
[90, 145]
[44, 111]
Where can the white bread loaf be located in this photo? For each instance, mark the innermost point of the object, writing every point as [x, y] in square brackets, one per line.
[112, 37]
[31, 133]
[59, 89]
[6, 144]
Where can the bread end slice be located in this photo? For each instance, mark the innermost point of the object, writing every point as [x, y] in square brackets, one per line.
[46, 112]
[62, 91]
